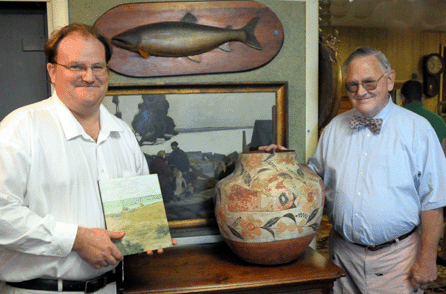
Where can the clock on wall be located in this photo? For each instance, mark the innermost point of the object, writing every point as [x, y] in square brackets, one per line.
[433, 67]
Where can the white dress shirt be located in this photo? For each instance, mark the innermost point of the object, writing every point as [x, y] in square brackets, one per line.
[49, 172]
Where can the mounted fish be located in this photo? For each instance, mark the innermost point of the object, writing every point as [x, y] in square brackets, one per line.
[153, 39]
[183, 38]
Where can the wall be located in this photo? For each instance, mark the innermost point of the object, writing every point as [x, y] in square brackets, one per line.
[403, 48]
[289, 65]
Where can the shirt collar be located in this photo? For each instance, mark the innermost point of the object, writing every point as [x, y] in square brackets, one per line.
[109, 124]
[72, 128]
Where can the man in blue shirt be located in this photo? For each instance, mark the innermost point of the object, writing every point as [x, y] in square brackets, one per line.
[383, 170]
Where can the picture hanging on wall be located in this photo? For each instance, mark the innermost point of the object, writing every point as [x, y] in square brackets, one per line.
[191, 136]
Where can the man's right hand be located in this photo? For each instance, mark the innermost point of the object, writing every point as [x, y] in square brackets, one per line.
[96, 246]
[272, 147]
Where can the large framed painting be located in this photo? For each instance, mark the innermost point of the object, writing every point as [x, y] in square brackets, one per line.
[192, 134]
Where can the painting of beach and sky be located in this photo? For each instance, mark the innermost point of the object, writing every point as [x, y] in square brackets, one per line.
[135, 205]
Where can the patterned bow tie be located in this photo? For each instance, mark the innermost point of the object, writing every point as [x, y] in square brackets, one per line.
[374, 124]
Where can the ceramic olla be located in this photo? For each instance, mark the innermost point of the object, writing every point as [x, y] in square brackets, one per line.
[269, 209]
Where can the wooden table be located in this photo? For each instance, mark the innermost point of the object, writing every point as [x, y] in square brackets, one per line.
[214, 268]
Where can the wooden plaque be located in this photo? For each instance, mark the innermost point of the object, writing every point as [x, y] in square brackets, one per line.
[219, 14]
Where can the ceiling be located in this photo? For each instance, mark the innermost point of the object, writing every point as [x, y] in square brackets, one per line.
[398, 14]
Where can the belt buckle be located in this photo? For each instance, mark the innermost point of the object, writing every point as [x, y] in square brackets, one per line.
[380, 246]
[370, 247]
[95, 284]
[374, 247]
[86, 286]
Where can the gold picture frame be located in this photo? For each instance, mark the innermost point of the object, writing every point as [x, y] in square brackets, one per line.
[244, 91]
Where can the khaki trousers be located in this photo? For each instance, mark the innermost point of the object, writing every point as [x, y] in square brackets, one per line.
[374, 272]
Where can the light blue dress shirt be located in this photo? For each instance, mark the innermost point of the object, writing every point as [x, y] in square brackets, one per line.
[378, 184]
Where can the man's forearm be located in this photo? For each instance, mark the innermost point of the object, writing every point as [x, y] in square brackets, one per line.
[431, 229]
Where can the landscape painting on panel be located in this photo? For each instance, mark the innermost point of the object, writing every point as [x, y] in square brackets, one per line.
[135, 205]
[210, 129]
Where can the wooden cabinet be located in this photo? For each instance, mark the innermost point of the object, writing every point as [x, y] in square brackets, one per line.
[214, 268]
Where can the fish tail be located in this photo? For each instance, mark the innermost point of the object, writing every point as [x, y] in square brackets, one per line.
[251, 39]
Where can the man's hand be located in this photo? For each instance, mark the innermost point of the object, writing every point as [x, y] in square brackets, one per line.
[272, 147]
[96, 246]
[424, 269]
[423, 273]
[161, 250]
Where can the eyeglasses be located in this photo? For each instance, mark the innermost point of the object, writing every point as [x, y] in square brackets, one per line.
[80, 69]
[353, 87]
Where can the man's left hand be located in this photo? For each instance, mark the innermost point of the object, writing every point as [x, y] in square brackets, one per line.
[161, 250]
[423, 273]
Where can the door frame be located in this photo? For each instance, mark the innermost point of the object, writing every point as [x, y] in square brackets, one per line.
[57, 12]
[57, 15]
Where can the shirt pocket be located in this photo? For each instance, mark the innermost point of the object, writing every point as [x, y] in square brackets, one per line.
[391, 171]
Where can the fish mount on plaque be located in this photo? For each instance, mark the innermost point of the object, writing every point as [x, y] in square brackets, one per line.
[185, 38]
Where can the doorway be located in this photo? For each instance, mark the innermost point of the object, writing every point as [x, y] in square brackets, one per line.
[23, 76]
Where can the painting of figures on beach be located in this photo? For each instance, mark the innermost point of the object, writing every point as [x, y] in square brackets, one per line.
[193, 140]
[135, 205]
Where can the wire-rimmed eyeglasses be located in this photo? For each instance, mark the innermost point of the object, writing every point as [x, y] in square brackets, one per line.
[368, 85]
[81, 69]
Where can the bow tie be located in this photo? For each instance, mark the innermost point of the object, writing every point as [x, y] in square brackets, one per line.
[374, 124]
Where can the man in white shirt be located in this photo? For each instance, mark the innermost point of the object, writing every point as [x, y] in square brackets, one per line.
[52, 154]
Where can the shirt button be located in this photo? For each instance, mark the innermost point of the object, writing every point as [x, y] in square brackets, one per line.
[361, 173]
[365, 153]
[368, 135]
[356, 214]
[359, 193]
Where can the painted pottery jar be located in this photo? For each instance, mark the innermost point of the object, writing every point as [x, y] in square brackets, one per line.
[269, 209]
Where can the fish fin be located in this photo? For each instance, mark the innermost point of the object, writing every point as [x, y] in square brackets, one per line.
[251, 39]
[143, 53]
[225, 47]
[195, 58]
[189, 17]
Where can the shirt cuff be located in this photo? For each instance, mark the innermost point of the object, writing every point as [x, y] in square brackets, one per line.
[64, 236]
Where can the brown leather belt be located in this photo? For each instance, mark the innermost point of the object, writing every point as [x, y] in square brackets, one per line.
[88, 286]
[383, 245]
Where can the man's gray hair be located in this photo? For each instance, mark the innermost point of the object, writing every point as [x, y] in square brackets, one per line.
[364, 52]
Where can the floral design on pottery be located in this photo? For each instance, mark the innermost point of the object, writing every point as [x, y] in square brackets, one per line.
[269, 197]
